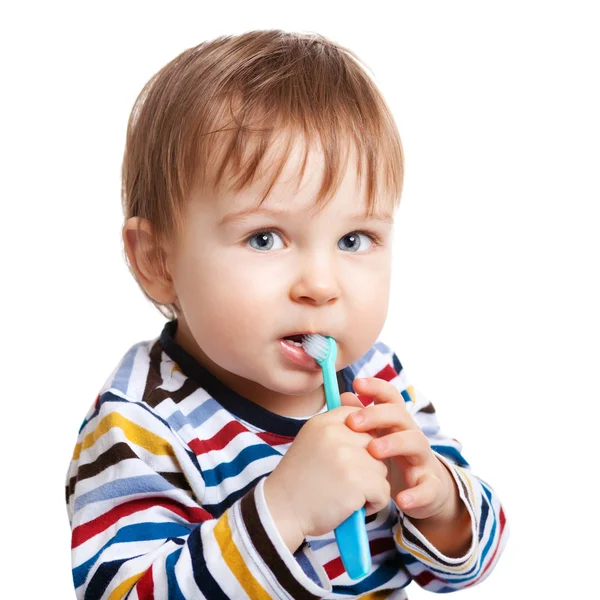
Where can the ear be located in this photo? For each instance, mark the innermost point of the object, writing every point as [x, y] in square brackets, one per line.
[149, 263]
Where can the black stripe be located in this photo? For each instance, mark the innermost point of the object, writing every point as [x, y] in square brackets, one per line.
[153, 379]
[115, 454]
[219, 508]
[159, 394]
[176, 479]
[102, 577]
[235, 403]
[202, 576]
[414, 540]
[109, 397]
[268, 552]
[396, 363]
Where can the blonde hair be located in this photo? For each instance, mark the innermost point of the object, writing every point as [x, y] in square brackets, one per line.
[217, 108]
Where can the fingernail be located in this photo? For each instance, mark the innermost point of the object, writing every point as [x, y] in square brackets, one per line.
[407, 500]
[358, 419]
[380, 445]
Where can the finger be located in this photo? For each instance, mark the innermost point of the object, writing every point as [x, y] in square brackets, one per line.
[412, 445]
[350, 399]
[380, 390]
[421, 497]
[382, 416]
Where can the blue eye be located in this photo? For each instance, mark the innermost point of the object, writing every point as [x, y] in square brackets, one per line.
[353, 242]
[264, 241]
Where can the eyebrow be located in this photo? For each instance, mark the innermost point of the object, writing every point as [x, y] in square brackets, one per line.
[240, 216]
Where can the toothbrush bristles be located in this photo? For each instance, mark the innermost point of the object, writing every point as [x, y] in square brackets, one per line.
[315, 345]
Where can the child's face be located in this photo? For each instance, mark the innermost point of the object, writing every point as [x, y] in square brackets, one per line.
[244, 284]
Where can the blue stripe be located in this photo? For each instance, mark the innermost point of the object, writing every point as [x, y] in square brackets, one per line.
[361, 362]
[121, 379]
[488, 494]
[139, 532]
[409, 559]
[250, 454]
[306, 566]
[140, 484]
[177, 420]
[485, 510]
[197, 417]
[406, 396]
[474, 572]
[451, 453]
[430, 431]
[384, 573]
[108, 397]
[174, 589]
[205, 411]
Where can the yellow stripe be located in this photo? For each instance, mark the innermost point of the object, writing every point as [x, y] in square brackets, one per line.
[176, 369]
[427, 560]
[411, 392]
[124, 587]
[76, 451]
[134, 433]
[466, 478]
[235, 562]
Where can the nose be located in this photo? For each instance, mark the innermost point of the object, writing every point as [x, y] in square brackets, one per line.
[316, 281]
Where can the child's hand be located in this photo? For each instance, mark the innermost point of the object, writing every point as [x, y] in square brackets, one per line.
[324, 477]
[420, 484]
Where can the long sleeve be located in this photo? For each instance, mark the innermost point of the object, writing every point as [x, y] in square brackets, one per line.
[139, 531]
[431, 569]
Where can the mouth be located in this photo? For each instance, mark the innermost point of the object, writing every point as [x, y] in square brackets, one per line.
[292, 348]
[295, 338]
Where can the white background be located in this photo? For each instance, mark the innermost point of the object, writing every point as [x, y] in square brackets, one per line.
[495, 301]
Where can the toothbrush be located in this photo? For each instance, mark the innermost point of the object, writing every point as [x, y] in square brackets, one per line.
[351, 535]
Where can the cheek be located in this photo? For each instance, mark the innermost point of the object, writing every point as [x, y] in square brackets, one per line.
[370, 288]
[368, 304]
[226, 296]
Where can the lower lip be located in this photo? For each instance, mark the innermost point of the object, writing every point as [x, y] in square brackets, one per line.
[297, 355]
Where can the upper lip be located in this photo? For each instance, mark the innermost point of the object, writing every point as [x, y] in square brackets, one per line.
[304, 332]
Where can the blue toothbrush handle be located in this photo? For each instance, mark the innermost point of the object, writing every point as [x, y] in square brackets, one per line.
[353, 544]
[351, 534]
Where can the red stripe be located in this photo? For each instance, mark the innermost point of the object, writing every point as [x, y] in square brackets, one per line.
[388, 373]
[219, 440]
[274, 439]
[426, 577]
[491, 561]
[228, 433]
[87, 530]
[366, 400]
[145, 586]
[335, 567]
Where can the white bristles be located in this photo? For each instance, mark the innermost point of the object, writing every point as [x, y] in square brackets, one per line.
[315, 345]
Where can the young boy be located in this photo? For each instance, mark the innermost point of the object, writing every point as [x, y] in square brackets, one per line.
[260, 179]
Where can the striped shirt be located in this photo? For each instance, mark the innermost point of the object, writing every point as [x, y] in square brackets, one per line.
[165, 494]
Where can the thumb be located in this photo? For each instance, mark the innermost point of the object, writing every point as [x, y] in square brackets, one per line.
[350, 399]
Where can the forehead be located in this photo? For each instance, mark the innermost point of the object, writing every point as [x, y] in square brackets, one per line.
[293, 174]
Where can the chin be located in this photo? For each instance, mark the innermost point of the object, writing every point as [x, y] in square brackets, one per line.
[306, 383]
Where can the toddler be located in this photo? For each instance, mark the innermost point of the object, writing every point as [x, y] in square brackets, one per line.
[261, 176]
